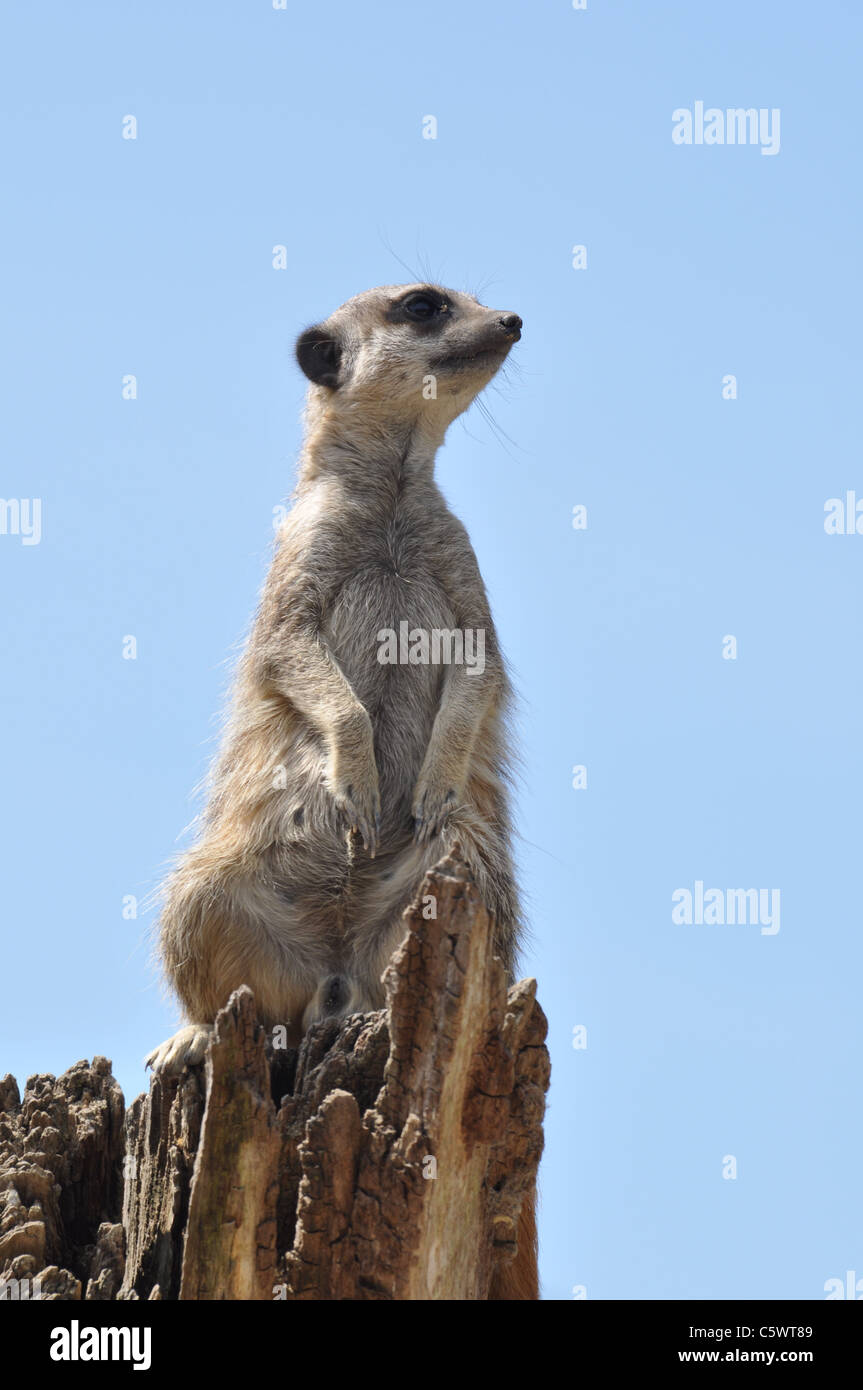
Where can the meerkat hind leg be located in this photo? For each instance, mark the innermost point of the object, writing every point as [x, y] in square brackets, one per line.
[185, 1049]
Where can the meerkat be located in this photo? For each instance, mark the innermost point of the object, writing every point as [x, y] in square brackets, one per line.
[342, 777]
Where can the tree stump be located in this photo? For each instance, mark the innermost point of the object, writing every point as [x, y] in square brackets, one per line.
[388, 1159]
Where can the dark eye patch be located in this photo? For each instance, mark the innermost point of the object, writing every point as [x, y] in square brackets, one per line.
[423, 309]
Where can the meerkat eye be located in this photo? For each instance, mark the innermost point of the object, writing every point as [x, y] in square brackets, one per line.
[422, 307]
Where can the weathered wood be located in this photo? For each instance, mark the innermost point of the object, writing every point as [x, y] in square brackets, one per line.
[61, 1149]
[162, 1134]
[423, 1197]
[230, 1248]
[389, 1159]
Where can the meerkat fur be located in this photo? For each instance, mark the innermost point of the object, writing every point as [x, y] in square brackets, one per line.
[341, 779]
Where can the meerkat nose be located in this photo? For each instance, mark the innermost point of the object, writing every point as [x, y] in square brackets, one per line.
[511, 325]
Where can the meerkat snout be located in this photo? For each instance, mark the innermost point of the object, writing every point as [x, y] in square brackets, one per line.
[511, 324]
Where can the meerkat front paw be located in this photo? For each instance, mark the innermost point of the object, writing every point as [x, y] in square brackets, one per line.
[353, 783]
[184, 1049]
[359, 807]
[436, 796]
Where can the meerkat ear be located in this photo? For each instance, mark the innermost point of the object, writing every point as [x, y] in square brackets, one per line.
[319, 354]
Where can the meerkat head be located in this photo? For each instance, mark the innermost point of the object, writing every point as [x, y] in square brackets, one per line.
[403, 354]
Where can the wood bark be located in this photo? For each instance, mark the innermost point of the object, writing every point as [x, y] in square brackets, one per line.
[388, 1159]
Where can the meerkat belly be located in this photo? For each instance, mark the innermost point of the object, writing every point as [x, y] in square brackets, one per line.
[385, 633]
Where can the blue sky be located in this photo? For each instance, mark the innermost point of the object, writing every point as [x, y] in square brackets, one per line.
[153, 257]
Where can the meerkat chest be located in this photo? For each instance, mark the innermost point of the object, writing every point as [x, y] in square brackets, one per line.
[392, 603]
[380, 598]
